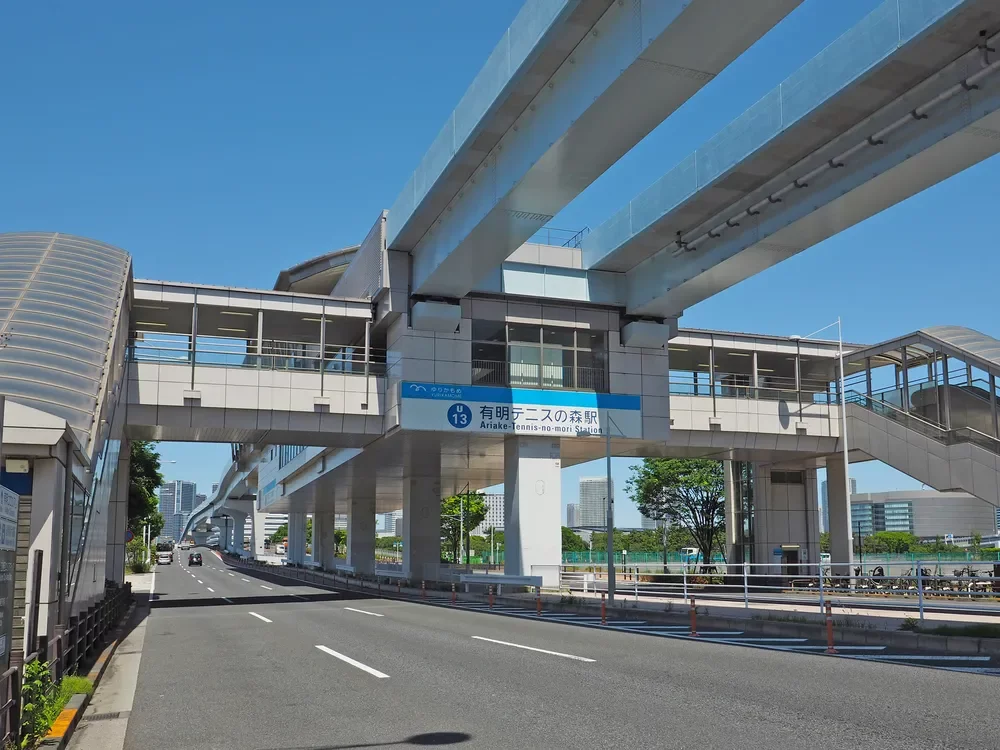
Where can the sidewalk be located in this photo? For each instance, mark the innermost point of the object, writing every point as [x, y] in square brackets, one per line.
[106, 719]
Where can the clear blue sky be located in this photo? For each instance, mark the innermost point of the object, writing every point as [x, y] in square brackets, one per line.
[219, 142]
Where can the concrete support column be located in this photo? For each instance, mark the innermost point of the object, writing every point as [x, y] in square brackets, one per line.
[532, 507]
[361, 531]
[323, 540]
[237, 527]
[732, 514]
[296, 552]
[257, 535]
[422, 525]
[114, 564]
[839, 504]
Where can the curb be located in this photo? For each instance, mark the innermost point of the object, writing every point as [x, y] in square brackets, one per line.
[65, 724]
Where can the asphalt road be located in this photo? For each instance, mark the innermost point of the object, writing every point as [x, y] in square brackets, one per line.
[243, 661]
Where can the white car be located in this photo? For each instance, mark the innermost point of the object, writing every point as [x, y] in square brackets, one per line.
[185, 546]
[164, 558]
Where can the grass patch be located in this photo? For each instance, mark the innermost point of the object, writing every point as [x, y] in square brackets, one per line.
[782, 618]
[67, 688]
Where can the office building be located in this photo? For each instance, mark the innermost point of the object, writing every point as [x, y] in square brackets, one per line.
[594, 501]
[573, 515]
[997, 519]
[215, 487]
[824, 508]
[924, 513]
[177, 500]
[273, 522]
[650, 523]
[389, 524]
[494, 514]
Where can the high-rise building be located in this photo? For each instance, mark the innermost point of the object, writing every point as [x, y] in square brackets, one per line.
[573, 515]
[997, 520]
[494, 514]
[389, 524]
[924, 513]
[594, 501]
[177, 500]
[824, 505]
[651, 523]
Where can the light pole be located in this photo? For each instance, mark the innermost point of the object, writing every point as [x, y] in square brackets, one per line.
[843, 412]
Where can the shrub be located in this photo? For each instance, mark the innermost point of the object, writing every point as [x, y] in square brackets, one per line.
[36, 701]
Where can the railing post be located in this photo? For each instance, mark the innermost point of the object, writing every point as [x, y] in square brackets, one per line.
[71, 637]
[684, 573]
[538, 600]
[453, 595]
[829, 629]
[694, 619]
[491, 596]
[822, 599]
[604, 611]
[746, 587]
[920, 589]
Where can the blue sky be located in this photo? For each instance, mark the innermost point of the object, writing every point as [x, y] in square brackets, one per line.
[220, 142]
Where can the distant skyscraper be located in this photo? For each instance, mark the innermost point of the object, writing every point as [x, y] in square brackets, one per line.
[177, 500]
[215, 487]
[494, 514]
[824, 505]
[389, 524]
[573, 515]
[650, 523]
[594, 501]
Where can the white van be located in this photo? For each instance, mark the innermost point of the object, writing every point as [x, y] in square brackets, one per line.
[164, 558]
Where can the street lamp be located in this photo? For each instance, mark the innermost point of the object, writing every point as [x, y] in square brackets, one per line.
[843, 410]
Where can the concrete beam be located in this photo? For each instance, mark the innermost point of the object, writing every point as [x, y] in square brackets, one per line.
[636, 65]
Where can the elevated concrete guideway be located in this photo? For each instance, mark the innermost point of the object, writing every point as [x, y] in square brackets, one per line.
[905, 99]
[572, 86]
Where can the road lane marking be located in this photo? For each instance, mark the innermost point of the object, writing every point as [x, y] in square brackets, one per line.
[233, 575]
[210, 589]
[199, 582]
[245, 580]
[227, 600]
[925, 657]
[260, 617]
[532, 648]
[364, 612]
[266, 587]
[353, 663]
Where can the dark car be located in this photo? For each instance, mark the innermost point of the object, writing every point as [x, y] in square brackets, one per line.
[194, 558]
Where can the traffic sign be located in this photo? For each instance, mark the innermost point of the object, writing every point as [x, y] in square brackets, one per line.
[129, 535]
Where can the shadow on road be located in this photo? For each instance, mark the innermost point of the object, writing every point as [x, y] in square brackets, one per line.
[165, 601]
[419, 740]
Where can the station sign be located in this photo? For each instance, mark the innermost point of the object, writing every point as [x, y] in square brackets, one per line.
[519, 411]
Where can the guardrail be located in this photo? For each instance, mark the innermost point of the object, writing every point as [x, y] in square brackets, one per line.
[64, 653]
[910, 587]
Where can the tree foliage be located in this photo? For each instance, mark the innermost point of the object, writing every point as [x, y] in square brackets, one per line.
[467, 511]
[686, 492]
[571, 541]
[279, 534]
[144, 478]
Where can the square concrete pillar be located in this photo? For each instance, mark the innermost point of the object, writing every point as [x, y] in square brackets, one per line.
[361, 531]
[114, 564]
[532, 507]
[296, 552]
[324, 543]
[839, 504]
[732, 514]
[257, 535]
[422, 526]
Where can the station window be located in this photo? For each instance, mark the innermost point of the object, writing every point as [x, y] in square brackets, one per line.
[788, 477]
[528, 355]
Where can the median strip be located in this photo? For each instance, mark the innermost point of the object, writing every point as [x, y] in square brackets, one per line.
[353, 663]
[532, 648]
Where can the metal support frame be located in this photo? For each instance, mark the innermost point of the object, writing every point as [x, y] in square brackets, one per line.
[868, 376]
[946, 394]
[756, 375]
[993, 405]
[194, 335]
[322, 350]
[905, 397]
[798, 375]
[260, 339]
[711, 374]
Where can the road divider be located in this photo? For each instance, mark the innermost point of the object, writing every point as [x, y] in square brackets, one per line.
[348, 660]
[532, 648]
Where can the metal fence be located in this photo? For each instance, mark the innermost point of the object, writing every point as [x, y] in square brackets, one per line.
[65, 653]
[900, 585]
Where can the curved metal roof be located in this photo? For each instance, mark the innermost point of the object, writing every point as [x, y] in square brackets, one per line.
[979, 345]
[965, 344]
[317, 275]
[59, 295]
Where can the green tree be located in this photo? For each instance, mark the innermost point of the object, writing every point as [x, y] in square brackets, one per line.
[824, 541]
[571, 541]
[689, 492]
[144, 478]
[155, 522]
[976, 545]
[339, 541]
[467, 511]
[309, 531]
[280, 533]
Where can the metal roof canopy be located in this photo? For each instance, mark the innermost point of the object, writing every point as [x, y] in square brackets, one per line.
[964, 344]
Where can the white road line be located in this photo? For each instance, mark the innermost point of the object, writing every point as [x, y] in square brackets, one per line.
[532, 648]
[233, 575]
[245, 580]
[266, 587]
[227, 599]
[199, 582]
[364, 612]
[760, 640]
[210, 589]
[353, 663]
[839, 648]
[260, 617]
